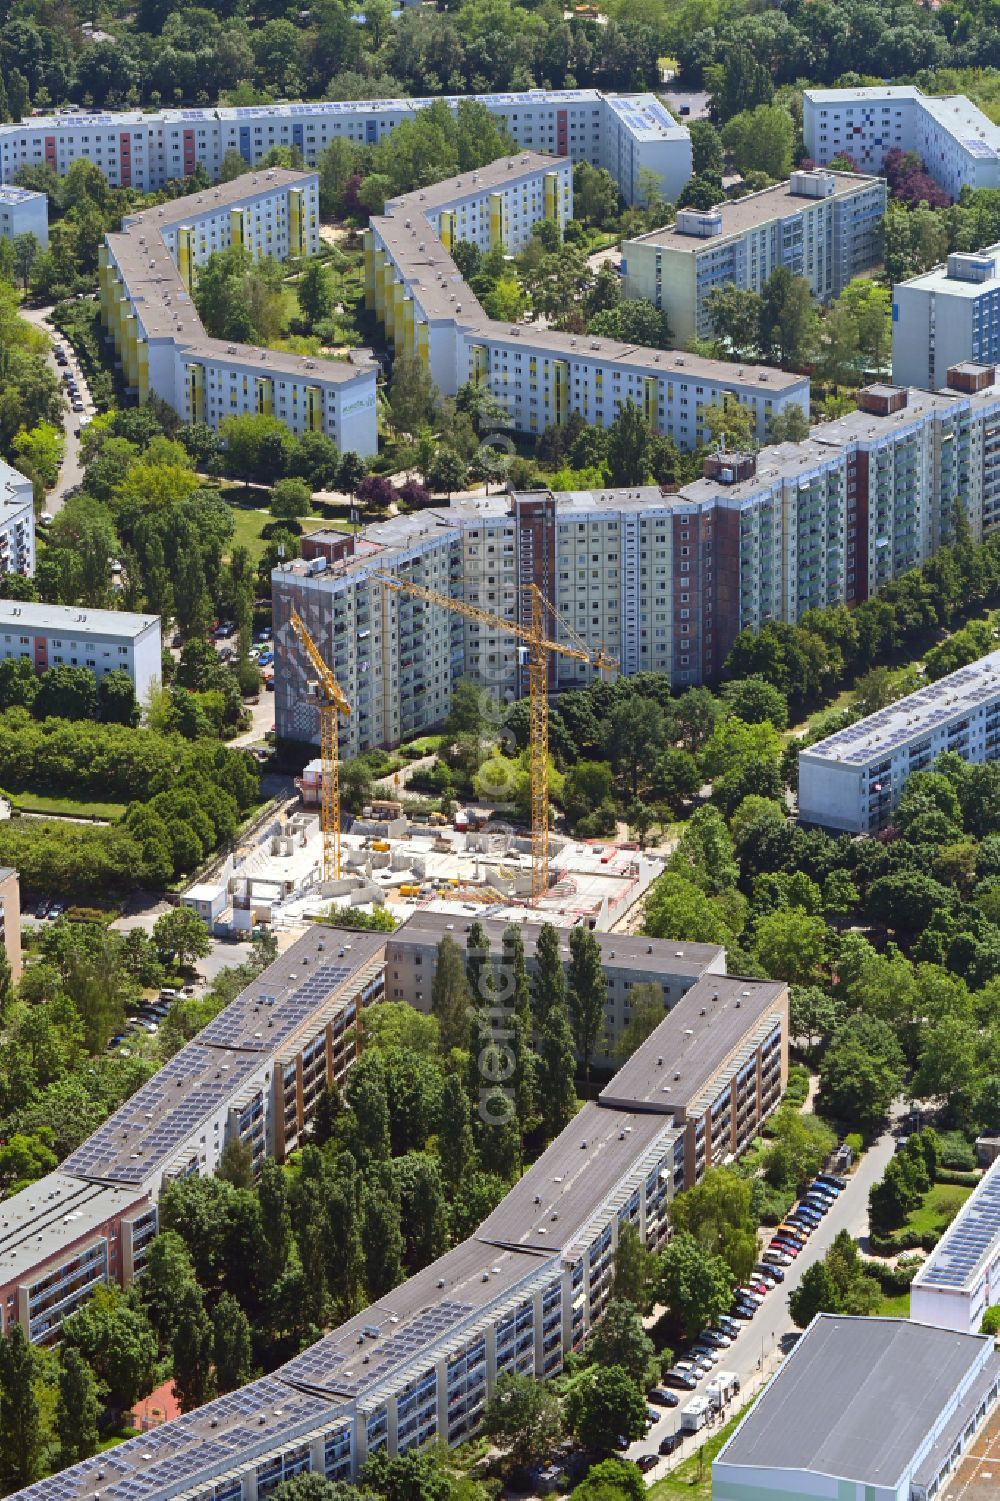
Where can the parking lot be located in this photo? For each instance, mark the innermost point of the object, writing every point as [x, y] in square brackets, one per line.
[763, 1340]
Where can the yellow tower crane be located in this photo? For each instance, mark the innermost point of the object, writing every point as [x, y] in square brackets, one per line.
[539, 648]
[331, 702]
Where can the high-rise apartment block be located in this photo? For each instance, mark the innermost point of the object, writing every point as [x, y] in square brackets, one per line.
[958, 144]
[632, 135]
[823, 226]
[17, 522]
[538, 375]
[854, 779]
[147, 273]
[665, 581]
[948, 316]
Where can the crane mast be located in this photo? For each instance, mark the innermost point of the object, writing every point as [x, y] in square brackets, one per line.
[539, 647]
[331, 703]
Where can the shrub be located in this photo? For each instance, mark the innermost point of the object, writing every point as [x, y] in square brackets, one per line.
[957, 1152]
[797, 1089]
[962, 1180]
[769, 1205]
[856, 1142]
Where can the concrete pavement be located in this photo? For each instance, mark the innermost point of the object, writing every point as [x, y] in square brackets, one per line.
[755, 1353]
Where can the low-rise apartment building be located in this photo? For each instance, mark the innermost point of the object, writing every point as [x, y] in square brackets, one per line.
[880, 1408]
[411, 960]
[823, 226]
[959, 145]
[17, 523]
[854, 779]
[632, 135]
[147, 276]
[947, 317]
[23, 212]
[75, 636]
[961, 1277]
[524, 1290]
[538, 375]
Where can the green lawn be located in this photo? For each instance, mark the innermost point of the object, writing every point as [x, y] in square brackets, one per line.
[895, 1306]
[34, 802]
[938, 1209]
[251, 522]
[693, 1476]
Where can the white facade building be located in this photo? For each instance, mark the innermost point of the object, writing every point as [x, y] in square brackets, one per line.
[537, 374]
[863, 1409]
[633, 136]
[77, 636]
[961, 1277]
[23, 212]
[17, 522]
[147, 275]
[854, 779]
[958, 144]
[823, 226]
[948, 316]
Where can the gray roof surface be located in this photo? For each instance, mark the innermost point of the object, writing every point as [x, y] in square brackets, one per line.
[912, 717]
[696, 1038]
[497, 174]
[75, 620]
[618, 950]
[856, 1399]
[42, 1220]
[595, 1157]
[970, 1240]
[772, 204]
[414, 1319]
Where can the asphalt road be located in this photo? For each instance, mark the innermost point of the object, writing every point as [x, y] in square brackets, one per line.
[71, 473]
[756, 1353]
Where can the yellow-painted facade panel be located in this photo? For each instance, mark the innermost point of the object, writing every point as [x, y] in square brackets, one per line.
[264, 389]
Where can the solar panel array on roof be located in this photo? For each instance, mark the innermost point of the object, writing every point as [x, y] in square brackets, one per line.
[143, 1135]
[331, 1366]
[975, 1231]
[260, 1022]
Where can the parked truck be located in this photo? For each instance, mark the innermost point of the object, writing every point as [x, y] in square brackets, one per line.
[695, 1414]
[723, 1386]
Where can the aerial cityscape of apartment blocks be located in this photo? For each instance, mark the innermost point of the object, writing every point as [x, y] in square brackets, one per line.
[873, 1408]
[824, 226]
[78, 636]
[666, 581]
[945, 317]
[854, 779]
[958, 144]
[17, 522]
[633, 136]
[23, 212]
[525, 1289]
[147, 272]
[539, 375]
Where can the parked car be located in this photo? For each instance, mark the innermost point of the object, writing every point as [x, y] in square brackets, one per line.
[818, 1203]
[794, 1231]
[744, 1311]
[670, 1442]
[833, 1179]
[805, 1219]
[774, 1272]
[727, 1326]
[714, 1337]
[708, 1353]
[759, 1285]
[700, 1359]
[826, 1189]
[776, 1257]
[662, 1397]
[42, 910]
[57, 909]
[652, 1416]
[647, 1462]
[749, 1295]
[689, 1367]
[683, 1380]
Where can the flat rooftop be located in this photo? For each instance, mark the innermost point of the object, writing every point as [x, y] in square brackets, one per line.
[223, 1435]
[910, 718]
[496, 174]
[74, 620]
[618, 950]
[417, 1320]
[856, 1399]
[695, 1040]
[599, 1156]
[11, 194]
[42, 1220]
[752, 212]
[316, 975]
[969, 1242]
[245, 189]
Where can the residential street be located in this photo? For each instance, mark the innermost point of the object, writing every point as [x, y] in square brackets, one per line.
[756, 1354]
[71, 473]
